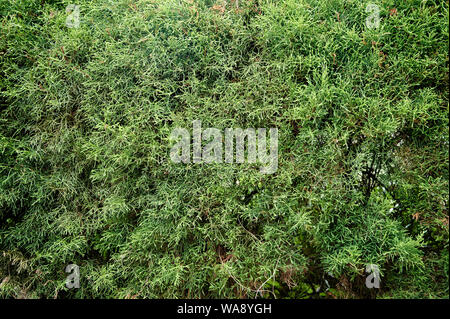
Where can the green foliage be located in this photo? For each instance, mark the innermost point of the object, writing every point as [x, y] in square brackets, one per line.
[85, 174]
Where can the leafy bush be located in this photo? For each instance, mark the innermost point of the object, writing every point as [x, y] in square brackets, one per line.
[85, 174]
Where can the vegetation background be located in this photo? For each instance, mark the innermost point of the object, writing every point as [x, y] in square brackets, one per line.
[85, 175]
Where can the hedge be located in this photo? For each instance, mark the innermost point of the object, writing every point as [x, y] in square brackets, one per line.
[86, 115]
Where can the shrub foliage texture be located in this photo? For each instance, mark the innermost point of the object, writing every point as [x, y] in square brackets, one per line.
[86, 178]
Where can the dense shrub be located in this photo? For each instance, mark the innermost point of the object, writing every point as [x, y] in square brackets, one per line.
[85, 174]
